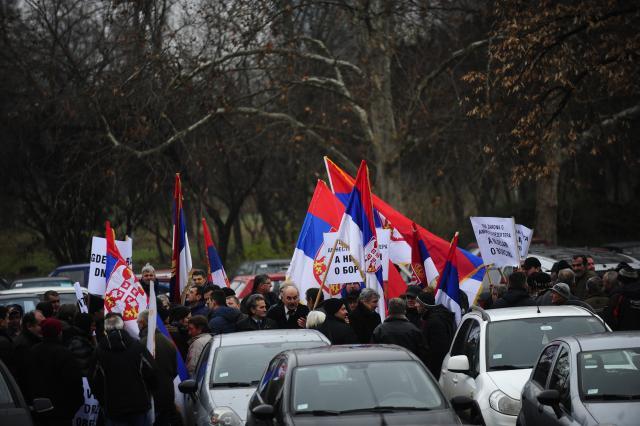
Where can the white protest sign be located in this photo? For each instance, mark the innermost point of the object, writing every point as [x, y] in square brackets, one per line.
[97, 283]
[525, 235]
[384, 243]
[87, 415]
[80, 297]
[496, 237]
[342, 269]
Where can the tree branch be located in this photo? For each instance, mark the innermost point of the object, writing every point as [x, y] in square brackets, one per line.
[624, 115]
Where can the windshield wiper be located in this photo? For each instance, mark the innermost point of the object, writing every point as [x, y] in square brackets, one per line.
[509, 367]
[610, 396]
[234, 384]
[320, 412]
[384, 409]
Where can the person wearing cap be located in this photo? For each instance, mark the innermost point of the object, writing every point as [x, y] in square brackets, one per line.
[364, 318]
[412, 311]
[438, 327]
[561, 295]
[516, 295]
[54, 374]
[334, 325]
[398, 330]
[623, 310]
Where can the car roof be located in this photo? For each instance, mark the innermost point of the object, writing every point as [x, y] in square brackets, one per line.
[72, 266]
[349, 353]
[603, 341]
[269, 336]
[29, 291]
[41, 279]
[505, 314]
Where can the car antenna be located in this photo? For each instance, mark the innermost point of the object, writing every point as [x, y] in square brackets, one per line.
[537, 305]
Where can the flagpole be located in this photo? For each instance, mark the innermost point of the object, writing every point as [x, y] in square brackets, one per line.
[486, 271]
[326, 274]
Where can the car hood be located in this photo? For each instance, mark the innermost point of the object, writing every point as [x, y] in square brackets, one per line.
[510, 382]
[618, 413]
[235, 398]
[439, 417]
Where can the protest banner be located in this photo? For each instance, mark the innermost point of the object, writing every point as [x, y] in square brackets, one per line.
[525, 235]
[496, 237]
[81, 304]
[87, 415]
[97, 283]
[342, 269]
[384, 245]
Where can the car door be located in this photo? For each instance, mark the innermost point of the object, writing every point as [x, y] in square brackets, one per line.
[270, 389]
[537, 384]
[447, 377]
[560, 380]
[464, 384]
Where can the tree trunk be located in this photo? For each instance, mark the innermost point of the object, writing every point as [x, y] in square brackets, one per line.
[547, 198]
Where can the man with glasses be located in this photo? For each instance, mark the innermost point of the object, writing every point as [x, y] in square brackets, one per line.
[583, 274]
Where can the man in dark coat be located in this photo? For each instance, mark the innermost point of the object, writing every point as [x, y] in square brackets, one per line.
[364, 318]
[412, 311]
[81, 343]
[30, 336]
[54, 374]
[583, 274]
[516, 295]
[122, 375]
[438, 328]
[262, 286]
[289, 313]
[623, 310]
[222, 319]
[257, 319]
[6, 342]
[166, 371]
[195, 297]
[334, 326]
[398, 330]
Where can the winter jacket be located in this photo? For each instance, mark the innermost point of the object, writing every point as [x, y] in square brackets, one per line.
[6, 349]
[623, 310]
[166, 369]
[196, 346]
[338, 332]
[55, 374]
[398, 330]
[122, 375]
[21, 347]
[438, 328]
[199, 309]
[579, 289]
[514, 297]
[414, 316]
[598, 303]
[363, 321]
[82, 349]
[180, 336]
[278, 314]
[249, 324]
[223, 320]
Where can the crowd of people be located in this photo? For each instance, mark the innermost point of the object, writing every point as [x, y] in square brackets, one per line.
[51, 349]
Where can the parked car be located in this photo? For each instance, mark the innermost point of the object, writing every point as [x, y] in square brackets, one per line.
[230, 368]
[585, 380]
[42, 282]
[14, 410]
[630, 248]
[267, 266]
[603, 259]
[493, 351]
[77, 272]
[244, 283]
[354, 385]
[28, 298]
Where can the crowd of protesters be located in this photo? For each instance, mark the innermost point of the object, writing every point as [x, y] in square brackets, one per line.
[49, 350]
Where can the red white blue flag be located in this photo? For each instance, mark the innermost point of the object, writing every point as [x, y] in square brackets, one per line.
[448, 289]
[424, 271]
[217, 275]
[181, 257]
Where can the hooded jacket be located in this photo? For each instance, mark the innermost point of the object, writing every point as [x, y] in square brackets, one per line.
[223, 320]
[122, 375]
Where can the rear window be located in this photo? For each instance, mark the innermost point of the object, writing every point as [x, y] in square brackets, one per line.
[62, 282]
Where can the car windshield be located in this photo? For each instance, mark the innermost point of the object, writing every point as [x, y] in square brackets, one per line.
[243, 365]
[271, 268]
[364, 386]
[610, 374]
[62, 282]
[517, 343]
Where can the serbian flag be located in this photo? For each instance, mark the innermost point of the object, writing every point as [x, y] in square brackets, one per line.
[470, 267]
[357, 233]
[308, 263]
[424, 272]
[448, 290]
[181, 258]
[217, 275]
[124, 294]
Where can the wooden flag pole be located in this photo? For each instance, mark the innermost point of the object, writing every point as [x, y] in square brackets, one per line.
[326, 274]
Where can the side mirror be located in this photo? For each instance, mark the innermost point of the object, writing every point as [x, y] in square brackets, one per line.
[551, 397]
[461, 403]
[263, 411]
[41, 405]
[188, 386]
[458, 364]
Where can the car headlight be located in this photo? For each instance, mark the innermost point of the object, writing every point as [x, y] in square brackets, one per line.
[225, 416]
[504, 404]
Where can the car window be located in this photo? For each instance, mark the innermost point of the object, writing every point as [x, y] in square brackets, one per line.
[472, 348]
[76, 275]
[28, 303]
[364, 385]
[543, 367]
[273, 381]
[461, 337]
[508, 347]
[612, 374]
[62, 282]
[560, 379]
[6, 399]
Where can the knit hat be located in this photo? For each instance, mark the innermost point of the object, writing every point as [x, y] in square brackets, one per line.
[426, 299]
[51, 327]
[562, 289]
[413, 291]
[331, 306]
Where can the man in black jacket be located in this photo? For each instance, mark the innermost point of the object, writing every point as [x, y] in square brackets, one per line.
[122, 375]
[257, 319]
[516, 295]
[54, 374]
[334, 326]
[398, 330]
[364, 318]
[438, 328]
[30, 336]
[623, 310]
[289, 313]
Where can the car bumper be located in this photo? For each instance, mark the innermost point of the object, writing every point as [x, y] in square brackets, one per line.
[493, 418]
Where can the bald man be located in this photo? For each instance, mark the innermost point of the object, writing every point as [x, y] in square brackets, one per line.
[289, 313]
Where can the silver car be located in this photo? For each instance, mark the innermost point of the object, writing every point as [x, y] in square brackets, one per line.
[230, 368]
